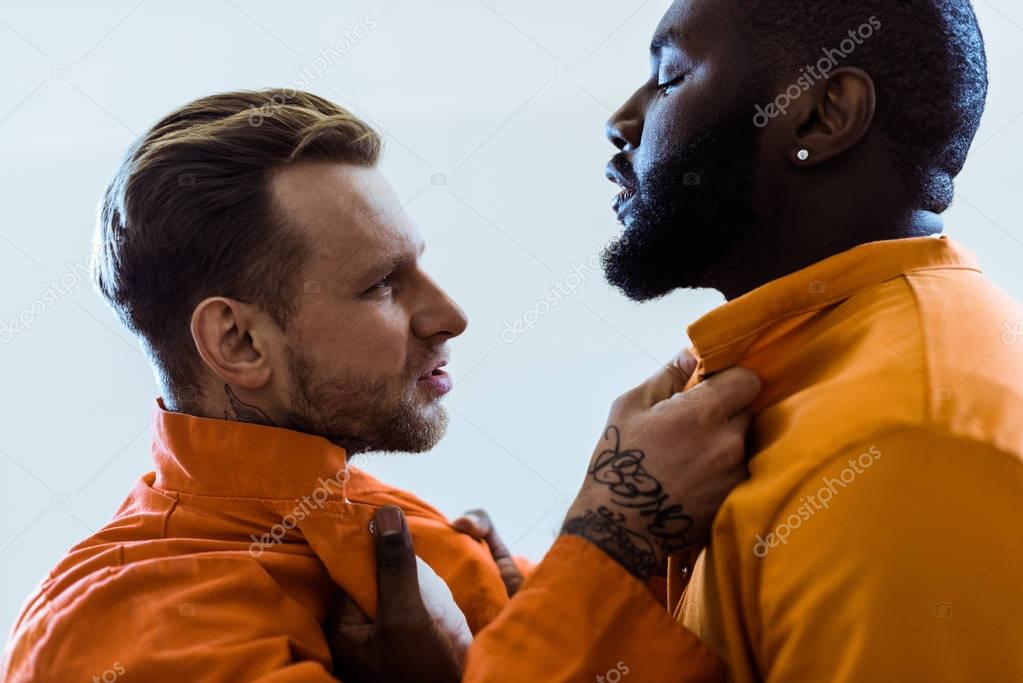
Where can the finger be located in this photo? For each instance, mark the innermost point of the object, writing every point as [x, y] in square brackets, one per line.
[742, 420]
[347, 613]
[734, 389]
[473, 524]
[669, 380]
[398, 596]
[477, 524]
[510, 573]
[347, 629]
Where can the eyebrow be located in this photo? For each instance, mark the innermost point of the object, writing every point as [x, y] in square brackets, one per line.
[393, 262]
[663, 39]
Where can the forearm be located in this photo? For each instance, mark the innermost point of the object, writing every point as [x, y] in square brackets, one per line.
[582, 616]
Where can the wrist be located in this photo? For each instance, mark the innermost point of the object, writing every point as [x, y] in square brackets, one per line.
[610, 531]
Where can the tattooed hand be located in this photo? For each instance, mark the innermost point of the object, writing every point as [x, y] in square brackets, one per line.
[663, 466]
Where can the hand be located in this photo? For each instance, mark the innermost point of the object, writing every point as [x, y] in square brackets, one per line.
[663, 466]
[411, 640]
[476, 523]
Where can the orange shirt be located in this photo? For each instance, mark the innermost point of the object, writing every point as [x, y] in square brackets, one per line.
[880, 536]
[222, 564]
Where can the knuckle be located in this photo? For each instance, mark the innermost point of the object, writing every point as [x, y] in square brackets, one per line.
[710, 412]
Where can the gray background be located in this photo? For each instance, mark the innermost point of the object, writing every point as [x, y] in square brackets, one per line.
[493, 114]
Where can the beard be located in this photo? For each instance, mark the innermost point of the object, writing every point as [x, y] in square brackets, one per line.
[691, 208]
[360, 413]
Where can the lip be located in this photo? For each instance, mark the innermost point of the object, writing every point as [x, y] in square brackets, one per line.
[436, 379]
[434, 367]
[628, 191]
[620, 204]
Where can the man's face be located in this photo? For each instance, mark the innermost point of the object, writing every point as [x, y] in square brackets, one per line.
[365, 348]
[688, 155]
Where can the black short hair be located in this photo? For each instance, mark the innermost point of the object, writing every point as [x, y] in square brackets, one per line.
[928, 64]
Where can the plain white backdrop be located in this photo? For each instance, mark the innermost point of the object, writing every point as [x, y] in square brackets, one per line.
[493, 114]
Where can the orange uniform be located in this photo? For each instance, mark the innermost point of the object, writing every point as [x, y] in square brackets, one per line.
[880, 536]
[222, 564]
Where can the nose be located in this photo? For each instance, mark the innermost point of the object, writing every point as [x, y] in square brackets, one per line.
[439, 315]
[625, 127]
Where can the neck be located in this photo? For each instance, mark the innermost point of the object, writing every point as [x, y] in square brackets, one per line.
[774, 251]
[219, 401]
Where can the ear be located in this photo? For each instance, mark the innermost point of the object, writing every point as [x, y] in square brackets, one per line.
[233, 341]
[833, 116]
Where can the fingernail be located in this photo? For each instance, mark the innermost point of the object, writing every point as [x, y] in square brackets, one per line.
[389, 521]
[473, 518]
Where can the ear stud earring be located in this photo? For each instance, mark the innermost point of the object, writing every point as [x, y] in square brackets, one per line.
[803, 154]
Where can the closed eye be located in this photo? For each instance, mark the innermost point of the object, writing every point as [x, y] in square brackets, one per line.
[667, 86]
[380, 285]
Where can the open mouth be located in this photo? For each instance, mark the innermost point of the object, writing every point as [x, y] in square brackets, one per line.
[621, 199]
[628, 188]
[436, 380]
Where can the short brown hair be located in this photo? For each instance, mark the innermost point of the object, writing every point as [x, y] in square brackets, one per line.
[189, 215]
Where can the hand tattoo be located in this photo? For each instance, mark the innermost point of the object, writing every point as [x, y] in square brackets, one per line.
[604, 529]
[632, 488]
[243, 412]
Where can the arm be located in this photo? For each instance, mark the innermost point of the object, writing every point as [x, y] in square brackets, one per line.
[911, 572]
[222, 616]
[582, 617]
[664, 464]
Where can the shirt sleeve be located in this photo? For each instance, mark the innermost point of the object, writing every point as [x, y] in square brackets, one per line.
[900, 560]
[581, 617]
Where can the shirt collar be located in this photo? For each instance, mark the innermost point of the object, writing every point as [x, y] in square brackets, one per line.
[723, 337]
[206, 456]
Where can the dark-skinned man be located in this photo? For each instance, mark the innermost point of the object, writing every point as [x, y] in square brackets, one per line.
[796, 157]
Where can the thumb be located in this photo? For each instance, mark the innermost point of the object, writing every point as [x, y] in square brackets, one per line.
[398, 596]
[669, 380]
